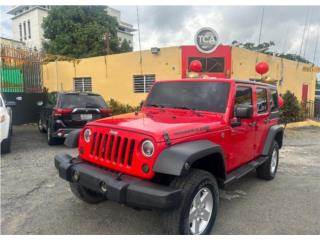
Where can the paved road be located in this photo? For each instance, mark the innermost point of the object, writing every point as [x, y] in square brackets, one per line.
[36, 201]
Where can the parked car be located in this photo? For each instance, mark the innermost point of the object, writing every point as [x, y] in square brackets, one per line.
[67, 111]
[5, 123]
[317, 95]
[190, 138]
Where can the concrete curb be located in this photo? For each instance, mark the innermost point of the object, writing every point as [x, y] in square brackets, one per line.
[307, 123]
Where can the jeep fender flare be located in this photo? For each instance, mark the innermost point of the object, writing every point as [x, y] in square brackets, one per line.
[72, 139]
[177, 159]
[273, 131]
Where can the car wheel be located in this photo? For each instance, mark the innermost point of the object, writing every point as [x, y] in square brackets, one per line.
[197, 211]
[85, 194]
[41, 127]
[6, 145]
[268, 169]
[52, 140]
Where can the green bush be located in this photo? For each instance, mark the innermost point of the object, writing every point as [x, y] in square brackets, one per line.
[120, 108]
[291, 111]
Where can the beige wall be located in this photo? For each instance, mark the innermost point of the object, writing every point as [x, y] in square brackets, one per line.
[243, 68]
[112, 75]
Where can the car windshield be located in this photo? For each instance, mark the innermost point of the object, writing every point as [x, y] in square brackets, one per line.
[82, 101]
[203, 96]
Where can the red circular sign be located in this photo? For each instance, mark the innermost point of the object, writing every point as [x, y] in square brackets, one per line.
[195, 66]
[262, 68]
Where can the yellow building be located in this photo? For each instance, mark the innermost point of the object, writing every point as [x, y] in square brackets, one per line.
[127, 77]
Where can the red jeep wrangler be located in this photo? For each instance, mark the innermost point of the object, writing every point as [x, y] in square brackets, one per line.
[191, 137]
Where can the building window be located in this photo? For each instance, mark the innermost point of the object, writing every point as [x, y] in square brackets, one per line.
[82, 84]
[143, 83]
[29, 29]
[262, 105]
[210, 64]
[24, 30]
[20, 31]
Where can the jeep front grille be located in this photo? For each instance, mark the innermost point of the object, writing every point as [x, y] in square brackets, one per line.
[113, 148]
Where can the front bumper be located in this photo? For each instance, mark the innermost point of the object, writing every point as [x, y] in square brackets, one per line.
[123, 189]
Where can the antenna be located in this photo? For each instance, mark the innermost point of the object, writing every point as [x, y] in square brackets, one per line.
[138, 21]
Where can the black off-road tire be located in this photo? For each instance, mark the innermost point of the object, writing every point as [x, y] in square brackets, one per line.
[176, 221]
[85, 194]
[265, 171]
[41, 127]
[6, 145]
[53, 140]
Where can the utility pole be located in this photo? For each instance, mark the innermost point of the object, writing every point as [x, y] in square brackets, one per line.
[106, 38]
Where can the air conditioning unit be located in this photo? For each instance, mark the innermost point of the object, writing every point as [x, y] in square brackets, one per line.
[155, 50]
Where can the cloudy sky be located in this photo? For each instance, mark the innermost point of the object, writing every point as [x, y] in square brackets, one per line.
[162, 26]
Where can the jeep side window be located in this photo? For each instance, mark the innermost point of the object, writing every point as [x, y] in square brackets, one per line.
[274, 100]
[243, 96]
[262, 102]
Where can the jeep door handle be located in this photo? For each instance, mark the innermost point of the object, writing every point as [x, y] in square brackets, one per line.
[252, 124]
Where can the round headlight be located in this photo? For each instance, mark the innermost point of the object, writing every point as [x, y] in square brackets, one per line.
[87, 135]
[147, 148]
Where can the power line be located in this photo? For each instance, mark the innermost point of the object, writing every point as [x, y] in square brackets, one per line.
[261, 23]
[304, 31]
[316, 46]
[307, 34]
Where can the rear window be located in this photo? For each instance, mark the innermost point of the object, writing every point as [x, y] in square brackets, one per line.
[82, 101]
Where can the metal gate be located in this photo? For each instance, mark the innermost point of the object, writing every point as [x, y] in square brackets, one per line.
[21, 81]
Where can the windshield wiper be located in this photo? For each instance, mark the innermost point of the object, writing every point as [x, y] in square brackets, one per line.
[189, 108]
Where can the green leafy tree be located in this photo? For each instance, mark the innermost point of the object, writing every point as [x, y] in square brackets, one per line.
[265, 48]
[80, 31]
[291, 111]
[125, 46]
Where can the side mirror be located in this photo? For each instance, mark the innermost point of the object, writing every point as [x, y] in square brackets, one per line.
[11, 104]
[244, 111]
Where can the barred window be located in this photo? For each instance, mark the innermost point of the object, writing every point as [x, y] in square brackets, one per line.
[82, 84]
[143, 83]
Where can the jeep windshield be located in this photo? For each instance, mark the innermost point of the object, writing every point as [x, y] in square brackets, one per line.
[202, 96]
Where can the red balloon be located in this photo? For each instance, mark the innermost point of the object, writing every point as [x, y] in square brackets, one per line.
[262, 68]
[280, 102]
[195, 66]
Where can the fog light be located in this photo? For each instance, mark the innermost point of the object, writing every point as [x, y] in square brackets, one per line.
[103, 187]
[76, 176]
[145, 168]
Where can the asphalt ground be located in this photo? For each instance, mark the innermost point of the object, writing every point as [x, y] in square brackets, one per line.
[34, 200]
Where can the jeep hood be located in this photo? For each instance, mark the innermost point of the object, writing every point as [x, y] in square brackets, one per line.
[156, 124]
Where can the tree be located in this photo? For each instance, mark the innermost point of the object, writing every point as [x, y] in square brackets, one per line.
[125, 47]
[265, 48]
[80, 31]
[291, 111]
